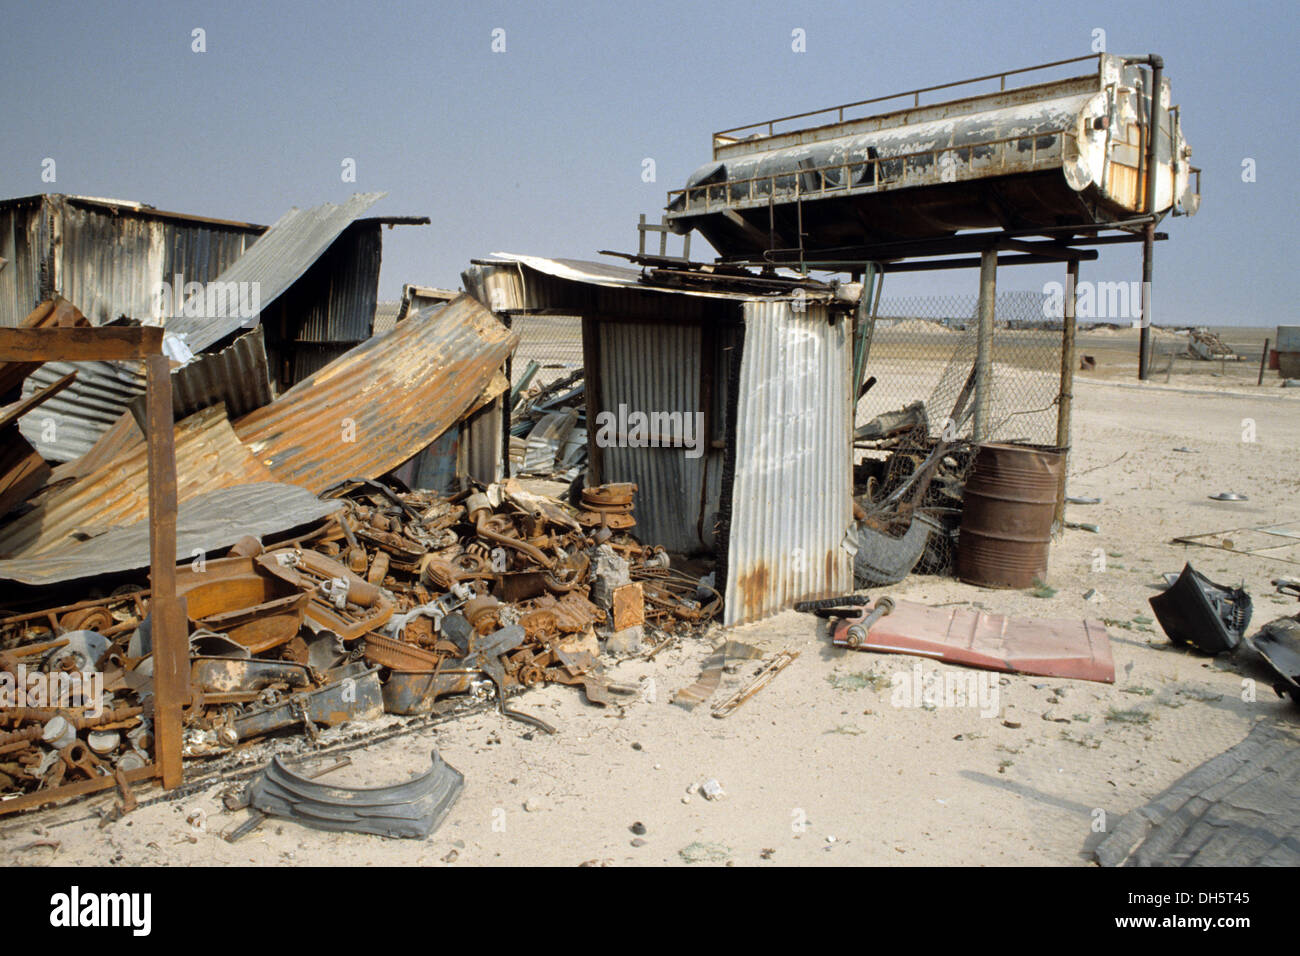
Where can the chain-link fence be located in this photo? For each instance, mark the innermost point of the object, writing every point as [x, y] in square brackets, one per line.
[554, 342]
[919, 420]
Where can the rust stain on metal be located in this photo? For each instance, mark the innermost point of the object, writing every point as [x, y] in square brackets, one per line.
[379, 404]
[208, 456]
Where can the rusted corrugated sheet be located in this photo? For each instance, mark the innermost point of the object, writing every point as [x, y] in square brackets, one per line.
[209, 523]
[382, 402]
[791, 498]
[208, 456]
[280, 257]
[236, 376]
[67, 426]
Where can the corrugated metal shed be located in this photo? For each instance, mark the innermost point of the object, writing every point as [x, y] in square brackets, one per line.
[791, 501]
[106, 256]
[289, 248]
[208, 456]
[657, 367]
[772, 496]
[207, 523]
[383, 401]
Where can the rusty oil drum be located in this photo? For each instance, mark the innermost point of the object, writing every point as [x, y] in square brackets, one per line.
[1007, 513]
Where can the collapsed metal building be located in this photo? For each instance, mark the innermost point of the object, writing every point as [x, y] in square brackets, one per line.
[313, 282]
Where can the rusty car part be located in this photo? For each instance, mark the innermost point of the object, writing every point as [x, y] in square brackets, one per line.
[857, 626]
[760, 680]
[399, 656]
[412, 809]
[258, 611]
[366, 607]
[1047, 647]
[353, 694]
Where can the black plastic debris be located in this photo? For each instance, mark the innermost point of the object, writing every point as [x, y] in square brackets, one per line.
[1278, 642]
[1194, 610]
[412, 809]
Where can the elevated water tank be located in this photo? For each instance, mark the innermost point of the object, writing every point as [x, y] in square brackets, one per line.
[1063, 152]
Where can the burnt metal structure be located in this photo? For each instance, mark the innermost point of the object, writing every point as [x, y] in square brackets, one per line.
[1032, 174]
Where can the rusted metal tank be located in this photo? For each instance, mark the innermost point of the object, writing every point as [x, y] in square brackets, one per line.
[1057, 151]
[1007, 513]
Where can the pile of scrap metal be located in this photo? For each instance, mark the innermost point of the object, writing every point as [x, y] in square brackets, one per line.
[907, 503]
[548, 426]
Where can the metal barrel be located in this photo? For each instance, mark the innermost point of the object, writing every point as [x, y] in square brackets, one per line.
[1007, 513]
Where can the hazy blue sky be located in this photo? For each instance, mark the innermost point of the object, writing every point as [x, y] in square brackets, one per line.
[539, 149]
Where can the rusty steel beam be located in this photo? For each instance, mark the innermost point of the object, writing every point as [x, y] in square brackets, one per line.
[170, 641]
[1066, 395]
[40, 798]
[80, 344]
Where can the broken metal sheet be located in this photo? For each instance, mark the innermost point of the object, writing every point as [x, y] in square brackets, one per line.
[498, 282]
[237, 376]
[1049, 648]
[711, 673]
[122, 436]
[208, 456]
[792, 497]
[1236, 809]
[413, 809]
[205, 523]
[69, 425]
[1278, 642]
[275, 262]
[373, 408]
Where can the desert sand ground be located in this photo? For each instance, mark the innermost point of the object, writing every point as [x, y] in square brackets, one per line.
[820, 768]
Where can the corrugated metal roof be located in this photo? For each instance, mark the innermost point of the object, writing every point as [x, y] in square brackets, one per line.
[209, 522]
[791, 500]
[237, 376]
[383, 401]
[276, 260]
[208, 456]
[610, 276]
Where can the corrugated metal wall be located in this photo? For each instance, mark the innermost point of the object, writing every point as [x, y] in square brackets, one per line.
[655, 368]
[21, 244]
[791, 498]
[108, 264]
